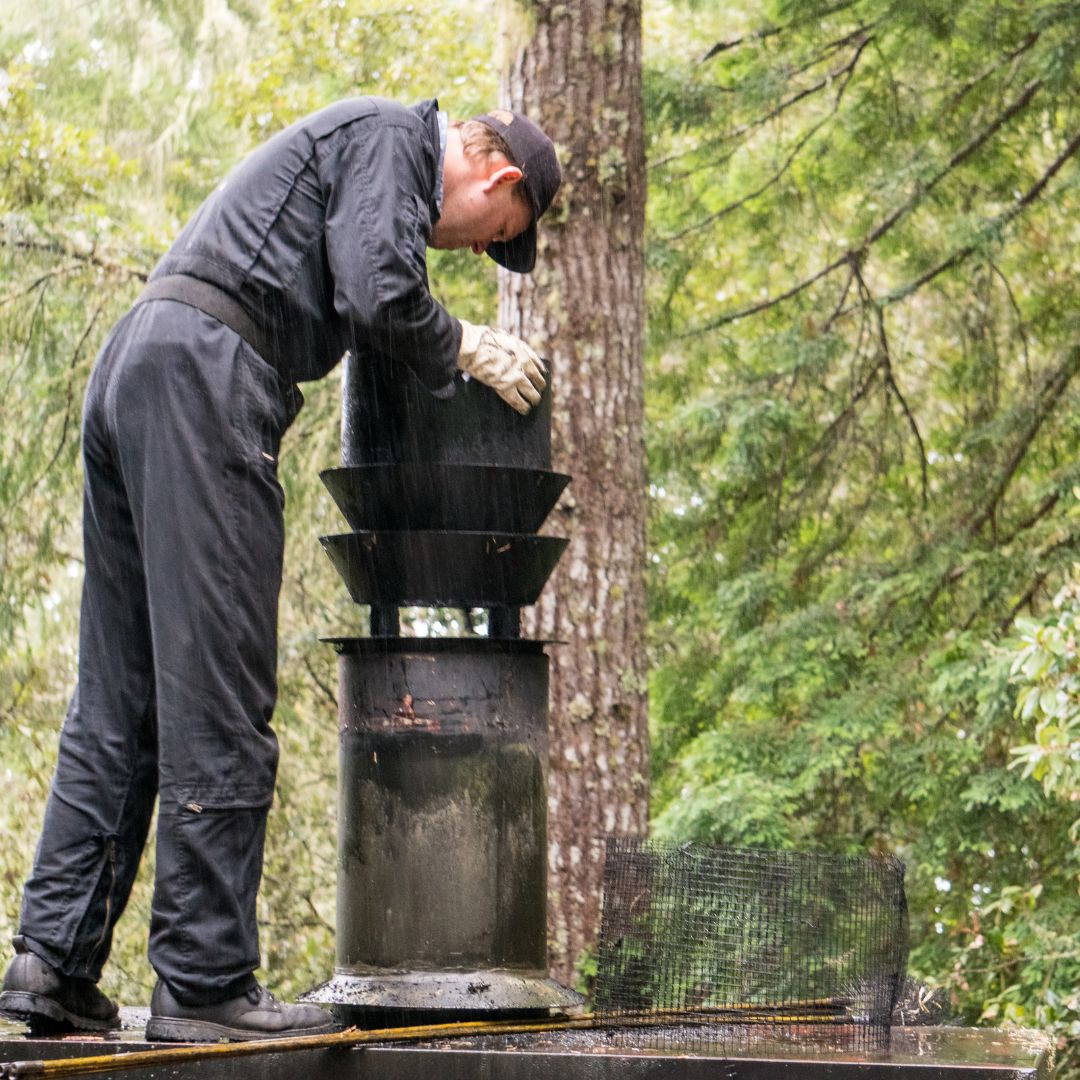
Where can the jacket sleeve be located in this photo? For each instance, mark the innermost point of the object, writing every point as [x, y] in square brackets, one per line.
[376, 176]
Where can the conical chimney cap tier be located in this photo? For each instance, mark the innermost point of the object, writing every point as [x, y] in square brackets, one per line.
[444, 568]
[444, 496]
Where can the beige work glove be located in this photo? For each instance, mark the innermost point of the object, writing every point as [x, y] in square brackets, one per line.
[503, 362]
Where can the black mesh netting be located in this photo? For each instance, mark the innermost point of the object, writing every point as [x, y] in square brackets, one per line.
[713, 947]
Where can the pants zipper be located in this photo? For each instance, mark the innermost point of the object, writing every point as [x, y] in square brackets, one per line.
[110, 857]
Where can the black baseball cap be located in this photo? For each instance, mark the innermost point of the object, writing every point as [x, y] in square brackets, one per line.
[534, 154]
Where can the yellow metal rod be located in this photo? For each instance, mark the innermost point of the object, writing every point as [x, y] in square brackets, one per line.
[354, 1037]
[350, 1037]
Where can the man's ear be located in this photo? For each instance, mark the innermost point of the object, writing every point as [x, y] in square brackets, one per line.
[506, 174]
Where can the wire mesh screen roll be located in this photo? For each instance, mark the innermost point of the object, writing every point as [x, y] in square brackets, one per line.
[720, 947]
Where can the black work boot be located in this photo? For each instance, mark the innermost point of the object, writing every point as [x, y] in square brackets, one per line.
[255, 1014]
[37, 993]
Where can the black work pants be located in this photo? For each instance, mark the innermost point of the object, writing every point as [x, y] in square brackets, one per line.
[183, 536]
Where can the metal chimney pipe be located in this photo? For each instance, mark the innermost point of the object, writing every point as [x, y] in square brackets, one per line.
[442, 817]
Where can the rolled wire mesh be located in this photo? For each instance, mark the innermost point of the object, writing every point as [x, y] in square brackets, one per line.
[718, 949]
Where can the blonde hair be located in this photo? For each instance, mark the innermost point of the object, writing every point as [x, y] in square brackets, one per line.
[478, 140]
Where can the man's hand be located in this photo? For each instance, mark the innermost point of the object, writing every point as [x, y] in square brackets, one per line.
[503, 362]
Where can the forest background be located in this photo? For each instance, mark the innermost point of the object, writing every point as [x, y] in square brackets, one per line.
[862, 425]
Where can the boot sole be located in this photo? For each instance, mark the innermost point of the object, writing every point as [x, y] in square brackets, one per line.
[40, 1011]
[174, 1029]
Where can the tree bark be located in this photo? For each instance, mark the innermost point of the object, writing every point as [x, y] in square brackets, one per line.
[578, 75]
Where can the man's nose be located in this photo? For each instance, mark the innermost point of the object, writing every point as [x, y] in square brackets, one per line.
[478, 247]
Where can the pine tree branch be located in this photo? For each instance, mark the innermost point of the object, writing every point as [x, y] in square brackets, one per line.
[69, 398]
[69, 401]
[771, 301]
[892, 385]
[1020, 328]
[846, 72]
[1066, 542]
[835, 45]
[1039, 186]
[994, 225]
[39, 307]
[839, 308]
[775, 178]
[814, 559]
[325, 690]
[772, 31]
[1049, 397]
[946, 264]
[830, 437]
[49, 275]
[1034, 518]
[319, 920]
[51, 246]
[957, 159]
[822, 84]
[1028, 595]
[964, 89]
[899, 213]
[815, 88]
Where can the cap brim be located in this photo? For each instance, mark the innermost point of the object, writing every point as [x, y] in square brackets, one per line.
[518, 254]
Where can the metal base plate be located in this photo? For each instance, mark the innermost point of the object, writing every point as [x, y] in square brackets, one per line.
[436, 996]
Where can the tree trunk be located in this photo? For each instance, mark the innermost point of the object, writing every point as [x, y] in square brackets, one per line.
[578, 75]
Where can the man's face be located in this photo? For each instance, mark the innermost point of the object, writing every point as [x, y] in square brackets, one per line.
[480, 208]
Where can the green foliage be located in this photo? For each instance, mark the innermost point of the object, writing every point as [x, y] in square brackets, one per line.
[1048, 673]
[863, 457]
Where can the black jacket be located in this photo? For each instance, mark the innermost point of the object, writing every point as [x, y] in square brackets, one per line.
[321, 234]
